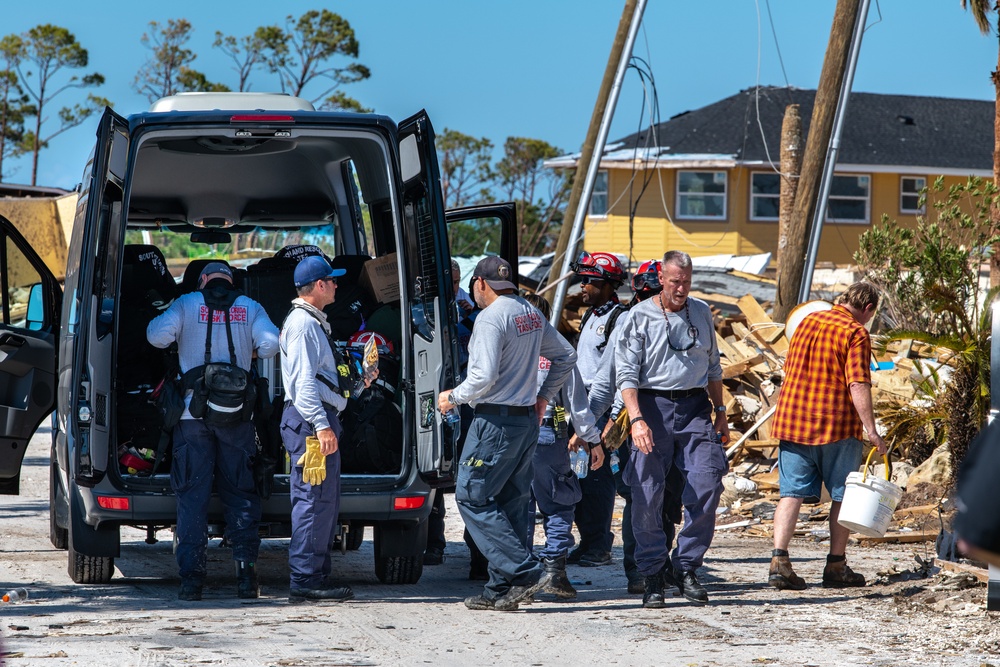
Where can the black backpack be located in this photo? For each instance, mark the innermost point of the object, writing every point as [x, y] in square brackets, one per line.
[616, 312]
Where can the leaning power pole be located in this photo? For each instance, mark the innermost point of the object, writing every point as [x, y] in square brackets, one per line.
[798, 278]
[791, 240]
[578, 203]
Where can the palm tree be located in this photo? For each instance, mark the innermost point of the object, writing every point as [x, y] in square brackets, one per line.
[982, 11]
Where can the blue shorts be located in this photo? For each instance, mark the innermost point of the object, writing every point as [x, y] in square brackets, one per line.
[802, 469]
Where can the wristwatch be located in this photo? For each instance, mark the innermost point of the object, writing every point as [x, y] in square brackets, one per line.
[450, 400]
[720, 408]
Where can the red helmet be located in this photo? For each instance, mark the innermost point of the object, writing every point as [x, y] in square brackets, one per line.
[359, 338]
[601, 265]
[646, 278]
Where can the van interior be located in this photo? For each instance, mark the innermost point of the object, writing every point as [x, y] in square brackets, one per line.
[259, 203]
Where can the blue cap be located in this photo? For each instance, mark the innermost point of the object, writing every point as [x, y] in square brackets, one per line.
[313, 268]
[217, 267]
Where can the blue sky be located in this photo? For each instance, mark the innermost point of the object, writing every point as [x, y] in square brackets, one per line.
[532, 67]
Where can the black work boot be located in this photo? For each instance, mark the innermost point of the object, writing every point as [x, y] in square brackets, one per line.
[246, 579]
[690, 587]
[190, 590]
[558, 583]
[652, 597]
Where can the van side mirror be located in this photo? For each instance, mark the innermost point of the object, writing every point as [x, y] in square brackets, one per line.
[35, 318]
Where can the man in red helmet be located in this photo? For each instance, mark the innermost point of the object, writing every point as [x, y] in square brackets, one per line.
[601, 275]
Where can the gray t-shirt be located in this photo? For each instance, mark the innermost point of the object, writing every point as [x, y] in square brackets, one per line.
[573, 397]
[592, 336]
[645, 358]
[506, 342]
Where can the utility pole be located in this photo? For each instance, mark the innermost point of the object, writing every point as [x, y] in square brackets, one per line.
[586, 157]
[820, 129]
[791, 241]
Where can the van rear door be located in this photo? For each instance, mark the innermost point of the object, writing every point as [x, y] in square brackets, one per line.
[29, 330]
[434, 345]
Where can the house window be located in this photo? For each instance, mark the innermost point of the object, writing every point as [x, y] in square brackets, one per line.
[599, 197]
[909, 194]
[765, 195]
[701, 195]
[848, 200]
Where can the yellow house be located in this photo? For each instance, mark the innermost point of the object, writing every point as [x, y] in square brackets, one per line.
[707, 181]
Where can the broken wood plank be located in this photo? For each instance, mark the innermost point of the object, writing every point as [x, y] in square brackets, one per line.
[902, 538]
[727, 350]
[951, 566]
[917, 509]
[762, 326]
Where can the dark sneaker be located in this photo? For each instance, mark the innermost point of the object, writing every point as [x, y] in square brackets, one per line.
[480, 603]
[434, 556]
[636, 583]
[783, 577]
[652, 592]
[595, 559]
[246, 580]
[190, 590]
[517, 594]
[839, 575]
[574, 556]
[690, 587]
[332, 593]
[558, 583]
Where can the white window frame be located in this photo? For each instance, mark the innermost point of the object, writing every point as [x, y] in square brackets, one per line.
[754, 196]
[606, 191]
[724, 194]
[920, 183]
[867, 200]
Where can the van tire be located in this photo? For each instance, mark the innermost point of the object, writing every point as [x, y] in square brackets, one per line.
[399, 569]
[58, 535]
[399, 551]
[355, 537]
[90, 569]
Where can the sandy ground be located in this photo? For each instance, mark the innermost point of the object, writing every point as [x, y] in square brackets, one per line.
[137, 620]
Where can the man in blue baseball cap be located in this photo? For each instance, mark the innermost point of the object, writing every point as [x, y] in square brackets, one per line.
[311, 431]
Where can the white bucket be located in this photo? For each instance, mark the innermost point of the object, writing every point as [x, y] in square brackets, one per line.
[869, 503]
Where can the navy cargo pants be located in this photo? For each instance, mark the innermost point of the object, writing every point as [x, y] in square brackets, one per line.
[556, 490]
[314, 508]
[683, 436]
[492, 490]
[204, 454]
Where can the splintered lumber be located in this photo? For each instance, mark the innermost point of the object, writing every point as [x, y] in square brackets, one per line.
[727, 350]
[902, 538]
[750, 431]
[765, 329]
[979, 573]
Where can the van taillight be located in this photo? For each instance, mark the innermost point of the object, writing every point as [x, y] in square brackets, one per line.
[261, 118]
[113, 502]
[408, 502]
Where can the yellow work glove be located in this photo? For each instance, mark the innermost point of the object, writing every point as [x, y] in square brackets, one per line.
[313, 463]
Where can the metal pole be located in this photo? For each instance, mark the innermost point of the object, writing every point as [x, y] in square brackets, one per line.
[602, 138]
[831, 154]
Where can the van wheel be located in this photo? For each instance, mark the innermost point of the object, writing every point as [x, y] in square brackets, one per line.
[90, 569]
[58, 535]
[399, 552]
[399, 569]
[355, 537]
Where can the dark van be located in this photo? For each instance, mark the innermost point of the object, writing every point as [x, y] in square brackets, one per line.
[258, 181]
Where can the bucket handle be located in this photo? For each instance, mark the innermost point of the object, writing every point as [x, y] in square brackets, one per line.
[868, 462]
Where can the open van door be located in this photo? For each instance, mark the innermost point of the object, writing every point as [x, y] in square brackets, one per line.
[434, 344]
[488, 229]
[29, 331]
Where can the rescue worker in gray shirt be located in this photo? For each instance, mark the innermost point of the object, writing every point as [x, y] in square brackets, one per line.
[494, 476]
[668, 358]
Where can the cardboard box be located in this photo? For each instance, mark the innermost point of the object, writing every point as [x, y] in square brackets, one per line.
[380, 276]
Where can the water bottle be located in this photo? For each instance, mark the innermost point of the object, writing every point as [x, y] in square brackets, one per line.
[615, 462]
[580, 461]
[453, 416]
[15, 595]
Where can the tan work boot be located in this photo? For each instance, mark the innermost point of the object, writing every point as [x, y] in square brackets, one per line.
[837, 574]
[781, 574]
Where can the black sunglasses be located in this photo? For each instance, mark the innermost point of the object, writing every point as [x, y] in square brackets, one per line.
[590, 280]
[331, 280]
[692, 331]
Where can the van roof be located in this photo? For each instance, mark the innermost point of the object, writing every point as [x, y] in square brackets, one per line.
[231, 102]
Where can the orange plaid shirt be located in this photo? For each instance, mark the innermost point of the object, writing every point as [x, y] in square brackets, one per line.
[829, 351]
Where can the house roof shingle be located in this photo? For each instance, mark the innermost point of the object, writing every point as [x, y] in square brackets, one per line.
[896, 130]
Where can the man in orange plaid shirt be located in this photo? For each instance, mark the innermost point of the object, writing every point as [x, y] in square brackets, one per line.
[825, 402]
